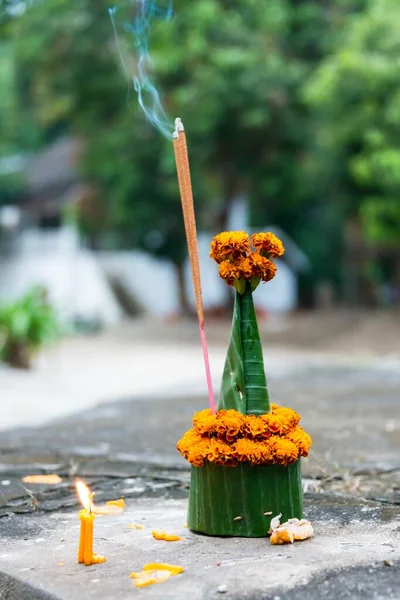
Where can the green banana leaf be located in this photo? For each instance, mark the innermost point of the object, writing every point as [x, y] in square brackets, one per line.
[244, 386]
[241, 500]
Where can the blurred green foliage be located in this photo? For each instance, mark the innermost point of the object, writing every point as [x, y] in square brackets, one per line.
[356, 92]
[25, 326]
[293, 102]
[10, 184]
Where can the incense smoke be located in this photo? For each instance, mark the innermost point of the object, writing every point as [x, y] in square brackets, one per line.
[134, 18]
[140, 29]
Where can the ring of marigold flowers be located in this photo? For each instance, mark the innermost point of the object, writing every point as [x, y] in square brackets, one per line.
[229, 437]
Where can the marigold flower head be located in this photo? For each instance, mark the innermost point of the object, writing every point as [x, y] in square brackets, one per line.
[262, 267]
[191, 446]
[218, 452]
[274, 424]
[245, 268]
[301, 439]
[196, 455]
[255, 428]
[204, 422]
[229, 245]
[229, 424]
[248, 451]
[288, 418]
[284, 451]
[229, 272]
[269, 243]
[266, 452]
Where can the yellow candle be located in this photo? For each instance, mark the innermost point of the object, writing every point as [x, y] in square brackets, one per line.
[82, 535]
[88, 543]
[86, 517]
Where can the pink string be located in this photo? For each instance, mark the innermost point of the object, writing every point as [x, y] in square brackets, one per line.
[207, 366]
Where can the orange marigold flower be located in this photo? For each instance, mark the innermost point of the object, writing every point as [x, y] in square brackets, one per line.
[262, 267]
[229, 424]
[190, 438]
[218, 452]
[284, 451]
[274, 424]
[229, 272]
[248, 451]
[229, 245]
[281, 420]
[288, 417]
[267, 455]
[196, 457]
[269, 243]
[191, 446]
[204, 422]
[245, 268]
[255, 427]
[301, 439]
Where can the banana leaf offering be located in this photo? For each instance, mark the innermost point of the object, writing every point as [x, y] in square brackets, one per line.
[245, 457]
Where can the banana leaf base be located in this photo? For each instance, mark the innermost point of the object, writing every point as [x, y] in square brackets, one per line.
[240, 501]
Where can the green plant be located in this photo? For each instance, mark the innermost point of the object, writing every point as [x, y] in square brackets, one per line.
[25, 326]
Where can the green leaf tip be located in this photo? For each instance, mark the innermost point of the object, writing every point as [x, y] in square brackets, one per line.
[244, 386]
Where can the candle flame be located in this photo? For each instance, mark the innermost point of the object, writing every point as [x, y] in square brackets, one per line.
[85, 495]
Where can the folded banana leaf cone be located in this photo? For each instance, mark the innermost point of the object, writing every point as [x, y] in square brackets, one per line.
[246, 457]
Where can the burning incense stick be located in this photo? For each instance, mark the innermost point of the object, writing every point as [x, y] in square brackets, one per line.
[185, 188]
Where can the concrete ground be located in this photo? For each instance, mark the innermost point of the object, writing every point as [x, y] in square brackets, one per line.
[110, 409]
[352, 540]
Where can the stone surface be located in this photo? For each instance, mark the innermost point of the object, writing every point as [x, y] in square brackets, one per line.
[12, 588]
[100, 411]
[351, 537]
[375, 582]
[349, 407]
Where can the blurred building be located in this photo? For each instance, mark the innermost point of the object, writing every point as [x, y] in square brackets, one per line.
[43, 248]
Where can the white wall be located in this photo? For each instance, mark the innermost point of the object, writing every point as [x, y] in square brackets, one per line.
[280, 294]
[151, 282]
[72, 276]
